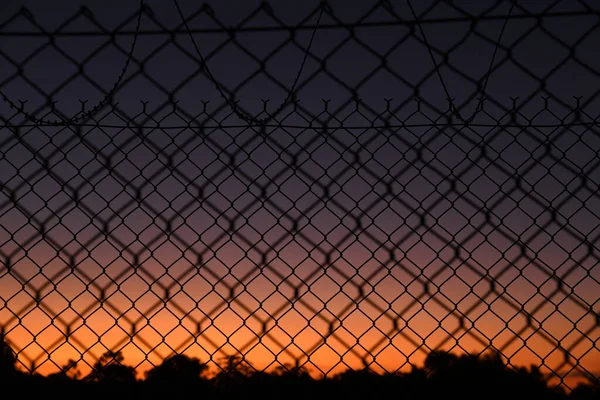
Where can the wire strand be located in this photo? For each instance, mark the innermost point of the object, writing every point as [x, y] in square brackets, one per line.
[232, 105]
[479, 107]
[82, 114]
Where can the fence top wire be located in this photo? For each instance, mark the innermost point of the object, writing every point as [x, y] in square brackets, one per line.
[487, 75]
[388, 118]
[83, 114]
[501, 51]
[219, 87]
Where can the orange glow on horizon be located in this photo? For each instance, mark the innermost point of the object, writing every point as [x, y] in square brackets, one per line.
[147, 329]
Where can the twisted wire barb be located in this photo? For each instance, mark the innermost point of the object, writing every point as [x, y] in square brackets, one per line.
[231, 104]
[82, 114]
[479, 107]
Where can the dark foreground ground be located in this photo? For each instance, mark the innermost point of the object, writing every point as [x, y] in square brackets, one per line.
[443, 376]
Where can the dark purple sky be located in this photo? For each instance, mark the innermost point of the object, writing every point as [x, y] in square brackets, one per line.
[538, 52]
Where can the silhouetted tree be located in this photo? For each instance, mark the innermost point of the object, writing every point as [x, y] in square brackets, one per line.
[110, 369]
[285, 379]
[8, 360]
[67, 372]
[292, 372]
[586, 392]
[471, 374]
[178, 368]
[363, 383]
[443, 375]
[9, 374]
[237, 377]
[439, 361]
[234, 368]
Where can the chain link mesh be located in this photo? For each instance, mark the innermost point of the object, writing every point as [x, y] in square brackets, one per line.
[330, 237]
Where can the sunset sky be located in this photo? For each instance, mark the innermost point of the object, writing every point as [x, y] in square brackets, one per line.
[358, 245]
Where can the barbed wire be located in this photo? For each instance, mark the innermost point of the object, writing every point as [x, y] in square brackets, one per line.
[83, 114]
[487, 75]
[219, 87]
[350, 27]
[380, 120]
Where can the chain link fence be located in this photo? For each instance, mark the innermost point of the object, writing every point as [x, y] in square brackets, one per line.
[327, 236]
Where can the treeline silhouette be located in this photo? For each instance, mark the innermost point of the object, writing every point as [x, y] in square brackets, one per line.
[443, 375]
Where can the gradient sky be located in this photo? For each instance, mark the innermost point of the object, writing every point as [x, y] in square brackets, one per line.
[356, 195]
